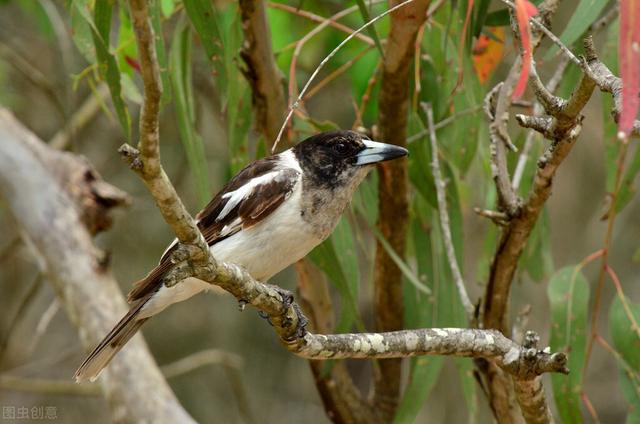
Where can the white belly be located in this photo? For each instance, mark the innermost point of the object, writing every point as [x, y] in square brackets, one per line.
[263, 250]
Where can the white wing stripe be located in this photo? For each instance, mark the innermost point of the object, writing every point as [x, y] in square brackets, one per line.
[237, 196]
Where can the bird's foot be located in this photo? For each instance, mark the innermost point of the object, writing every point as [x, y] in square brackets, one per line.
[287, 302]
[301, 321]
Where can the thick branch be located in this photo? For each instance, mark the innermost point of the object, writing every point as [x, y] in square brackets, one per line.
[47, 212]
[393, 188]
[267, 94]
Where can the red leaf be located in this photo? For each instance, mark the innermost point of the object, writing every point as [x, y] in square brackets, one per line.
[629, 52]
[133, 63]
[524, 10]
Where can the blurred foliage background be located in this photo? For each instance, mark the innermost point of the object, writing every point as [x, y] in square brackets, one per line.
[56, 56]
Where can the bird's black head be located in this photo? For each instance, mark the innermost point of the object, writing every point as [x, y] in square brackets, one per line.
[337, 158]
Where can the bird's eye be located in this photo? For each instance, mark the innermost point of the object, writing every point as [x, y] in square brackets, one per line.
[341, 148]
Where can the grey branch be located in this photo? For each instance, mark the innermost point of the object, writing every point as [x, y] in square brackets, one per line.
[147, 161]
[43, 191]
[520, 361]
[606, 81]
[444, 215]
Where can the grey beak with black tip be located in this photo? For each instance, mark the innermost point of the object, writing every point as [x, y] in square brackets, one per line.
[375, 152]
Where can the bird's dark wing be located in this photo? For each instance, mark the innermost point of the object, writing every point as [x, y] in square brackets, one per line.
[248, 198]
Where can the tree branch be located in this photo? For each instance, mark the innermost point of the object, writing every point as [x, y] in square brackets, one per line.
[606, 81]
[444, 216]
[46, 204]
[393, 102]
[146, 161]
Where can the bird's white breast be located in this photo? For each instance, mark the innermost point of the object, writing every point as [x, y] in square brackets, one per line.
[273, 244]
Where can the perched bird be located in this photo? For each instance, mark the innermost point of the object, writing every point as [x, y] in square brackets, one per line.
[270, 215]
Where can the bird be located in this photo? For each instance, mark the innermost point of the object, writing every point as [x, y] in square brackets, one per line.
[267, 217]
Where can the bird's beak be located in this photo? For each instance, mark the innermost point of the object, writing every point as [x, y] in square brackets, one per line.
[375, 152]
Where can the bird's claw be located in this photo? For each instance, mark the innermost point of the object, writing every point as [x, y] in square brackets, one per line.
[287, 302]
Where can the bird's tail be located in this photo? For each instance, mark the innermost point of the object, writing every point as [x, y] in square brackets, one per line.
[111, 344]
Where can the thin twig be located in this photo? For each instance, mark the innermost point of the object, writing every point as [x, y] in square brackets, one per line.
[296, 104]
[335, 74]
[552, 85]
[444, 123]
[298, 49]
[80, 118]
[540, 26]
[331, 20]
[444, 215]
[200, 359]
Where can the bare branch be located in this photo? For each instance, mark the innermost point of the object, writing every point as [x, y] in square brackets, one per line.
[552, 85]
[606, 81]
[146, 161]
[444, 215]
[496, 105]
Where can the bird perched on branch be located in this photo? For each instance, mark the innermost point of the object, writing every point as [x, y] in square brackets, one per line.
[270, 215]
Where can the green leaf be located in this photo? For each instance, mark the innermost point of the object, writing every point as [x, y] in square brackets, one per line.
[180, 63]
[630, 384]
[627, 343]
[204, 20]
[623, 325]
[420, 312]
[498, 18]
[161, 52]
[627, 189]
[440, 309]
[585, 13]
[108, 65]
[81, 31]
[481, 16]
[400, 263]
[167, 7]
[126, 44]
[424, 374]
[568, 294]
[325, 258]
[469, 385]
[344, 242]
[130, 90]
[371, 30]
[536, 258]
